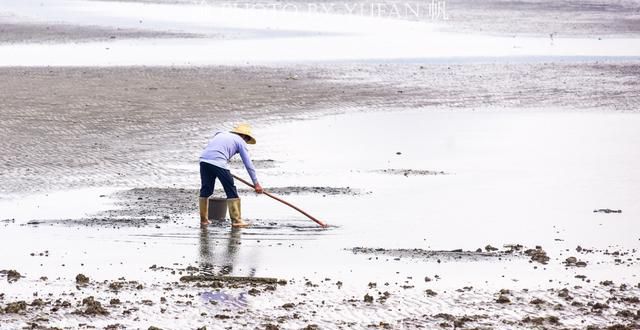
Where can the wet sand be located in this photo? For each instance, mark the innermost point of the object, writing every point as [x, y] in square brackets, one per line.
[117, 117]
[49, 33]
[479, 193]
[217, 291]
[111, 127]
[139, 130]
[558, 265]
[316, 305]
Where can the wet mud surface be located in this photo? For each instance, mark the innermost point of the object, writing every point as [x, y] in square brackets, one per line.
[323, 191]
[211, 293]
[191, 298]
[536, 255]
[607, 211]
[568, 18]
[458, 254]
[13, 32]
[145, 263]
[152, 206]
[408, 172]
[111, 116]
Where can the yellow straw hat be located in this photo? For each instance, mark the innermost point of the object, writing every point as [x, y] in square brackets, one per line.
[244, 129]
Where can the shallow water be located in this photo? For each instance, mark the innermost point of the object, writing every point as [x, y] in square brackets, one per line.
[530, 178]
[539, 186]
[527, 178]
[68, 204]
[443, 182]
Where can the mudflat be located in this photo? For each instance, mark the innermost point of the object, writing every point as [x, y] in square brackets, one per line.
[479, 172]
[91, 126]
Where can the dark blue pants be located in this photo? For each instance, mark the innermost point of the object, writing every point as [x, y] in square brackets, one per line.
[208, 175]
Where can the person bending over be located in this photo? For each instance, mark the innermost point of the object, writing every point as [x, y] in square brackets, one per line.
[214, 163]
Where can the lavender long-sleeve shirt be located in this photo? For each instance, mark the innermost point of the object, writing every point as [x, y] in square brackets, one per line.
[225, 145]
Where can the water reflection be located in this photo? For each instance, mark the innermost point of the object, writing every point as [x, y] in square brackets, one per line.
[206, 257]
[223, 263]
[233, 245]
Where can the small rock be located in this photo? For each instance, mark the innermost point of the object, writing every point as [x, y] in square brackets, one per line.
[93, 307]
[537, 301]
[13, 275]
[538, 255]
[82, 279]
[115, 286]
[627, 314]
[600, 306]
[564, 293]
[15, 307]
[490, 248]
[430, 293]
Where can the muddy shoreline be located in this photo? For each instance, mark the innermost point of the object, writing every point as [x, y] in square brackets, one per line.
[154, 206]
[110, 116]
[222, 301]
[20, 33]
[425, 172]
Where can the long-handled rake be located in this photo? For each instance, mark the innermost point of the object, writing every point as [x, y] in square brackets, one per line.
[322, 224]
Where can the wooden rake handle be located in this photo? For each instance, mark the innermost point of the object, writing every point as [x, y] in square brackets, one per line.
[322, 224]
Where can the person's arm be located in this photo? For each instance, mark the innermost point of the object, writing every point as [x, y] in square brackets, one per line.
[248, 164]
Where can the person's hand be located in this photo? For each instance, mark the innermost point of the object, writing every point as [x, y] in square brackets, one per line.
[258, 188]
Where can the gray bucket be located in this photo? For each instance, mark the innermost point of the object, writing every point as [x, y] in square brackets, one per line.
[217, 208]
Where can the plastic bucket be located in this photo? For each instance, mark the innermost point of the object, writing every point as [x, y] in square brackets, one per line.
[217, 208]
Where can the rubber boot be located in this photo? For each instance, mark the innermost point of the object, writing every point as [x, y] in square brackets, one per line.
[235, 214]
[204, 211]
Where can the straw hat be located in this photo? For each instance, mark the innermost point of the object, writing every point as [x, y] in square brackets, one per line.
[244, 129]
